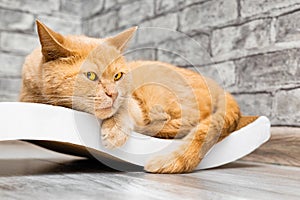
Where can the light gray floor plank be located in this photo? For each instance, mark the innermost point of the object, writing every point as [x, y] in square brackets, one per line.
[275, 152]
[28, 172]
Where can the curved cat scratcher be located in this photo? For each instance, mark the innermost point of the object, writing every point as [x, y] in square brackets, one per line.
[69, 131]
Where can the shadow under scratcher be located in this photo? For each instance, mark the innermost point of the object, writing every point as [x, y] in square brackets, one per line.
[21, 158]
[22, 167]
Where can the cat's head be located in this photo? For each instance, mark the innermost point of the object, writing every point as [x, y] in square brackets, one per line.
[104, 75]
[87, 74]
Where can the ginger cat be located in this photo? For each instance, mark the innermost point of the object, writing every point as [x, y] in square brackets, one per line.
[150, 97]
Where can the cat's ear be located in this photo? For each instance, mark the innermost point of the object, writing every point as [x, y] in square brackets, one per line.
[119, 41]
[52, 43]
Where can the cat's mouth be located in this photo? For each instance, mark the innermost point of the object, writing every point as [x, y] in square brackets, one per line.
[105, 107]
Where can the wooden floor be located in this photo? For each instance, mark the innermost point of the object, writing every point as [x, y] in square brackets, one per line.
[28, 172]
[283, 147]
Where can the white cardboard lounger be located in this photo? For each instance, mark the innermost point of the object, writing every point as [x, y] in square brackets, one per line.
[80, 133]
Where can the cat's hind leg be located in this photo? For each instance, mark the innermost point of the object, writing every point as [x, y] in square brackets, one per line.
[199, 140]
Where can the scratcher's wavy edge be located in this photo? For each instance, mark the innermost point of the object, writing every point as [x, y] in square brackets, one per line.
[30, 121]
[238, 144]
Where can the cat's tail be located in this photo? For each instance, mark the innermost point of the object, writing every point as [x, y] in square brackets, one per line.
[242, 122]
[200, 140]
[245, 120]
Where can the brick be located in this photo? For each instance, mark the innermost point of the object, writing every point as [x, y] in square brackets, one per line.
[252, 35]
[14, 20]
[17, 42]
[211, 13]
[255, 7]
[11, 65]
[92, 7]
[287, 28]
[9, 98]
[255, 104]
[9, 86]
[33, 6]
[185, 51]
[262, 71]
[223, 73]
[110, 4]
[158, 29]
[63, 26]
[162, 6]
[101, 25]
[126, 1]
[140, 54]
[72, 7]
[135, 12]
[287, 107]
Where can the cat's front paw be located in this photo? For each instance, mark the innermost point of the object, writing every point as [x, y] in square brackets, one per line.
[113, 136]
[169, 165]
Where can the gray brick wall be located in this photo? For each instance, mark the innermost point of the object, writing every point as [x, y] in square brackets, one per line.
[251, 47]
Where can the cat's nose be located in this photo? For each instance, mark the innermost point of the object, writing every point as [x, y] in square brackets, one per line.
[112, 95]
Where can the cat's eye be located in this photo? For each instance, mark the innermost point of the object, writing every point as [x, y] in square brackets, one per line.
[91, 76]
[118, 76]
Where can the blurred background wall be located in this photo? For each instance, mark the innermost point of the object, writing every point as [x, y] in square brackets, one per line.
[251, 47]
